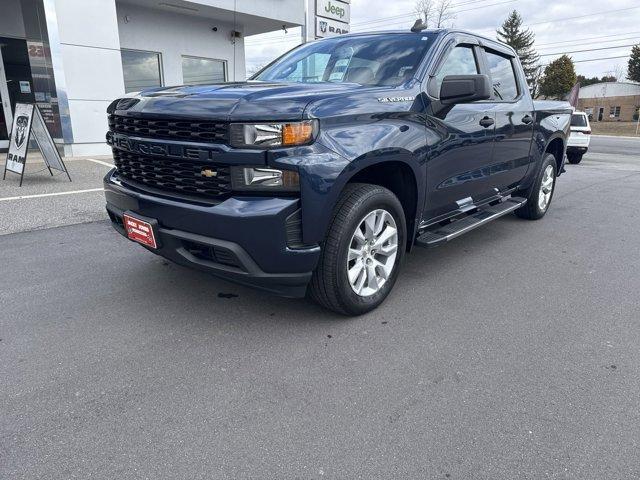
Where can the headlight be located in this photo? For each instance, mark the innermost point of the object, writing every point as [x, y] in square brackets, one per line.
[264, 179]
[265, 135]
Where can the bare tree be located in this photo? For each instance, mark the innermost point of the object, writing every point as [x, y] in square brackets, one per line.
[424, 10]
[616, 74]
[444, 14]
[620, 72]
[534, 82]
[435, 13]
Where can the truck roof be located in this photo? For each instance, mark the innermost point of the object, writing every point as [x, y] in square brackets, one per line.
[492, 42]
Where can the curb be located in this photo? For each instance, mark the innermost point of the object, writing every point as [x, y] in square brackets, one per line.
[617, 136]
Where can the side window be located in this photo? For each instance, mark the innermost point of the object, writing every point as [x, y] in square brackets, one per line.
[460, 61]
[505, 86]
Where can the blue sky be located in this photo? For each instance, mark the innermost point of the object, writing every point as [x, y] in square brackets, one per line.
[604, 24]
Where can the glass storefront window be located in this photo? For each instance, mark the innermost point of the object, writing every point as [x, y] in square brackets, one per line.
[141, 70]
[202, 71]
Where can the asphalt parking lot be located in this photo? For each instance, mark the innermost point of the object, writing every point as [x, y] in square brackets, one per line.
[511, 352]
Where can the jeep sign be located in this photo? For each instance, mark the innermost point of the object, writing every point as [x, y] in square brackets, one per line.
[334, 10]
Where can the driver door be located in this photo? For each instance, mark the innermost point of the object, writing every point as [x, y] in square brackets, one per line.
[459, 141]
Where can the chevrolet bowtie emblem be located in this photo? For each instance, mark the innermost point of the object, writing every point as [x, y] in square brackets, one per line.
[207, 172]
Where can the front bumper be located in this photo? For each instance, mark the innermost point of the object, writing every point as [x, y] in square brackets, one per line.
[242, 239]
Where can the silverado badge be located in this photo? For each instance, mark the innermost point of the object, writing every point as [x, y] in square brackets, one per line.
[395, 99]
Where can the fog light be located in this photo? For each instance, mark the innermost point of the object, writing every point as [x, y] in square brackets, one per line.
[264, 179]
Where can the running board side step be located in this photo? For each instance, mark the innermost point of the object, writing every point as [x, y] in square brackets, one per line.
[440, 235]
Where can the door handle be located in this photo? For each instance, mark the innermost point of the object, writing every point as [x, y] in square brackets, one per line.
[486, 122]
[527, 119]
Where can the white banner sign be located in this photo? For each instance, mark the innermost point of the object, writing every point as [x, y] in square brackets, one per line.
[334, 10]
[330, 28]
[19, 140]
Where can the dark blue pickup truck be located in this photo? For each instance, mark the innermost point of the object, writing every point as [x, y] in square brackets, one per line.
[319, 174]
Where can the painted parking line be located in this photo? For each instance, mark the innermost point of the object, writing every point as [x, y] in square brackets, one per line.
[55, 194]
[100, 162]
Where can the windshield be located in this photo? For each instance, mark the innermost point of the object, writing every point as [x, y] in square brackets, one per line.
[578, 120]
[368, 60]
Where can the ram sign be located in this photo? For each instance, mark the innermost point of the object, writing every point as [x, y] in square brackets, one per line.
[330, 28]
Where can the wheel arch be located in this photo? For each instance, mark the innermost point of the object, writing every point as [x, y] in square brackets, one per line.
[556, 147]
[397, 174]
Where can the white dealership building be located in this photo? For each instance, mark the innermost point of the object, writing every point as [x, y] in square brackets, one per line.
[73, 57]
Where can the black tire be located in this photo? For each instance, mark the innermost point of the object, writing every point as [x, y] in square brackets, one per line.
[531, 210]
[330, 285]
[574, 158]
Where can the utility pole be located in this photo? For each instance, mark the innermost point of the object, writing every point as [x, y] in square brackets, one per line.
[309, 27]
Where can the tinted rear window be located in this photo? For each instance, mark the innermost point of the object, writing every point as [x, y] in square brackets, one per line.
[578, 120]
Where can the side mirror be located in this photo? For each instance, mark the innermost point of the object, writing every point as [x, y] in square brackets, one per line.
[464, 89]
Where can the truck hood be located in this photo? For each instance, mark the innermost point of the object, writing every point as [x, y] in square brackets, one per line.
[240, 101]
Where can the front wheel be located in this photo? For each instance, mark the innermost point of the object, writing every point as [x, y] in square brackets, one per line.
[540, 195]
[362, 252]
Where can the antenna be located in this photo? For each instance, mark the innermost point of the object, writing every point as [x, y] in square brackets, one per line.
[418, 26]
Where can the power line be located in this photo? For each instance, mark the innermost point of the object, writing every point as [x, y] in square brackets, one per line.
[606, 12]
[454, 12]
[594, 59]
[484, 6]
[385, 19]
[413, 14]
[588, 38]
[587, 50]
[584, 44]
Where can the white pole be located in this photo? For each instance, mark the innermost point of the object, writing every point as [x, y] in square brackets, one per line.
[309, 27]
[306, 21]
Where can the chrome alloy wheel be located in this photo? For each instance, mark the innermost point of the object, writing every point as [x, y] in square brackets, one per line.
[372, 252]
[546, 188]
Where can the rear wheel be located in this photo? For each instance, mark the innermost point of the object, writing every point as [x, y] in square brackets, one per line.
[574, 158]
[540, 195]
[362, 252]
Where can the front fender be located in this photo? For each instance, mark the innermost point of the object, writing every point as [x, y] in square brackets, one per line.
[324, 174]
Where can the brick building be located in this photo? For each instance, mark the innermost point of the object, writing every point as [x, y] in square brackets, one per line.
[610, 102]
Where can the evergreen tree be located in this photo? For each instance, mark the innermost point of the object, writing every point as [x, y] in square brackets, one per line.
[586, 81]
[522, 42]
[633, 73]
[559, 77]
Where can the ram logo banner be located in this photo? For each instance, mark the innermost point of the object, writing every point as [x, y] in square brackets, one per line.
[22, 127]
[17, 155]
[323, 26]
[28, 123]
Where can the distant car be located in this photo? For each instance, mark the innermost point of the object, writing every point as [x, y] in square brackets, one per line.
[579, 137]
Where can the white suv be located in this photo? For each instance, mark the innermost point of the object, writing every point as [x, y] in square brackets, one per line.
[578, 142]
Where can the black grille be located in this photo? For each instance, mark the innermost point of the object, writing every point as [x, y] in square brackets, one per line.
[172, 175]
[171, 129]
